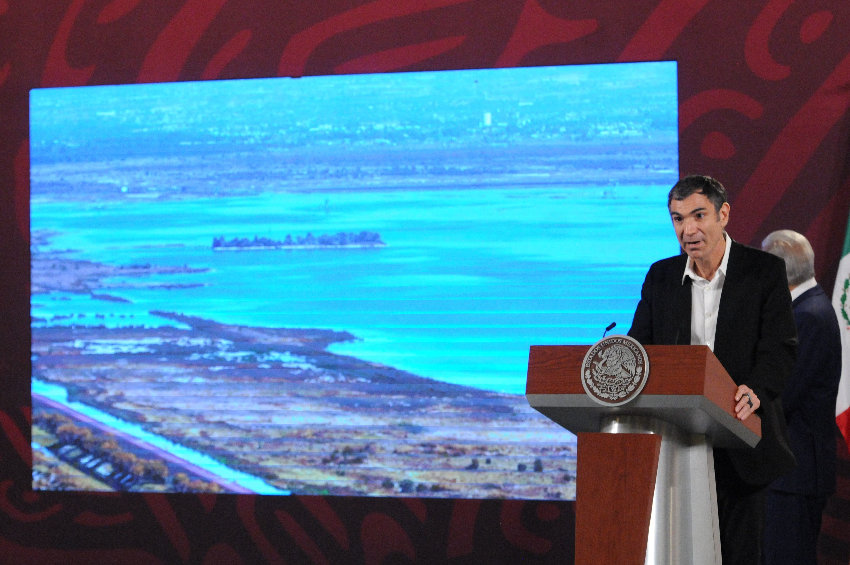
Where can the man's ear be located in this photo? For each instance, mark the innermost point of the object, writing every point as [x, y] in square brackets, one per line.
[723, 214]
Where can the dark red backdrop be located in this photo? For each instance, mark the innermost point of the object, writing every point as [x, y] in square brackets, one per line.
[764, 96]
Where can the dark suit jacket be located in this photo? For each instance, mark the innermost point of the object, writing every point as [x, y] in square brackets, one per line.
[755, 343]
[809, 398]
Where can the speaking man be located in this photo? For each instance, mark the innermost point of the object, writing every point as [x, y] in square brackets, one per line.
[735, 300]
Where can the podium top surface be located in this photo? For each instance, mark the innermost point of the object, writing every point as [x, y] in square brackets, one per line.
[687, 387]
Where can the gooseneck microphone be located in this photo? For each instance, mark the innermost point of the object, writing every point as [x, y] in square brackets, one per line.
[608, 329]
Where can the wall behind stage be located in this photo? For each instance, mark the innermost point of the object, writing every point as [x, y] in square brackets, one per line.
[764, 95]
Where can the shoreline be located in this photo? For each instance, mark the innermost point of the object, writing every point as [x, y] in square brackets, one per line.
[295, 247]
[311, 422]
[276, 404]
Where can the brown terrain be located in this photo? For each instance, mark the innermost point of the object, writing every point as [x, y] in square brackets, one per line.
[274, 403]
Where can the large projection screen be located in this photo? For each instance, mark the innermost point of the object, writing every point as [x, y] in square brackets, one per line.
[329, 285]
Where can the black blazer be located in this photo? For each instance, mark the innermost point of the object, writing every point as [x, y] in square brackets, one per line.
[755, 342]
[809, 398]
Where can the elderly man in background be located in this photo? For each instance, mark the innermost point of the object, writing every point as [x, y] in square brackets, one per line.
[796, 501]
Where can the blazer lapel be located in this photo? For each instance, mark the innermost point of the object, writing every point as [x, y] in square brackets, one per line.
[683, 311]
[732, 296]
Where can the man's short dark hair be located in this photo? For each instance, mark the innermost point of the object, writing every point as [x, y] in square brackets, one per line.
[700, 184]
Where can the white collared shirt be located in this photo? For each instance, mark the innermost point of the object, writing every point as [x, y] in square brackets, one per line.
[705, 299]
[803, 287]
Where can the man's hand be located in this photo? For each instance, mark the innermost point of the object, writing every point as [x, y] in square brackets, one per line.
[746, 402]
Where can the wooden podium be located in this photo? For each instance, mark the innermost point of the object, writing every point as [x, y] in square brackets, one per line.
[645, 488]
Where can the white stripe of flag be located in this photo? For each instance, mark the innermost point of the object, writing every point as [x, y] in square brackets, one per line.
[841, 303]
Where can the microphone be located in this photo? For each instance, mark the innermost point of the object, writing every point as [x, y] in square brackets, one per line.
[608, 329]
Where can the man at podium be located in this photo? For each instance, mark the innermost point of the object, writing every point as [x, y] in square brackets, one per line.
[735, 300]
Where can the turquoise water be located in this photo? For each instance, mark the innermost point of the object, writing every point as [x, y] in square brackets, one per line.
[468, 280]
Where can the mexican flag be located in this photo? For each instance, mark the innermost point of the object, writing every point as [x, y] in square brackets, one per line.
[841, 303]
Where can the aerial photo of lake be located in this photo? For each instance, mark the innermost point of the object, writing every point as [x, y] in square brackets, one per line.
[329, 285]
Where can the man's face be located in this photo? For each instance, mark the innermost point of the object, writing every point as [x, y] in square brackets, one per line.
[699, 227]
